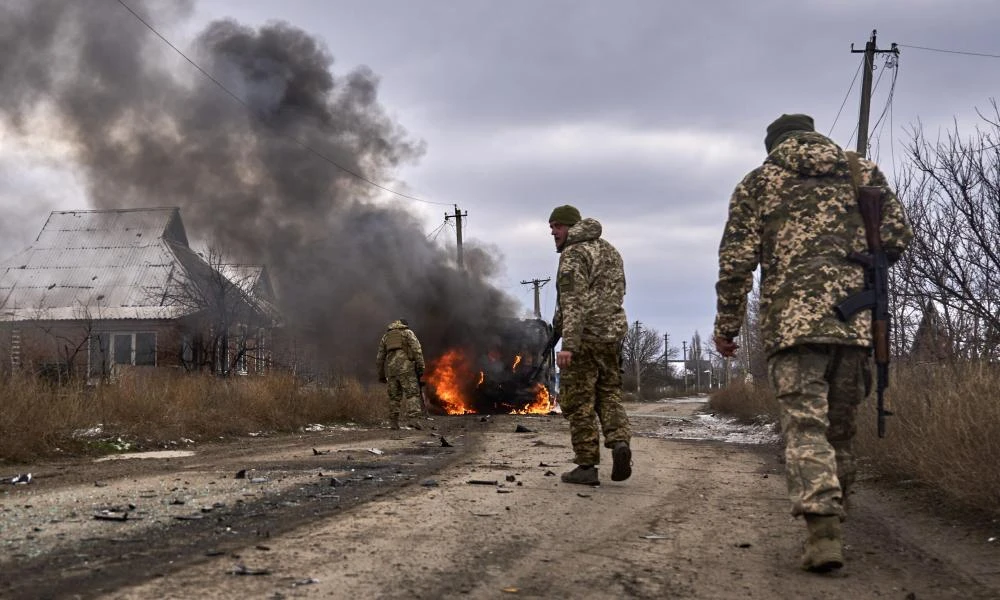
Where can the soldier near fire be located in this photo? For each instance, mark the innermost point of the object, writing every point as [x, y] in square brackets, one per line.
[400, 364]
[797, 217]
[591, 320]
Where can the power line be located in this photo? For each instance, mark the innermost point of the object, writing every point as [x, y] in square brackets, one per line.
[253, 113]
[983, 54]
[891, 62]
[432, 236]
[846, 96]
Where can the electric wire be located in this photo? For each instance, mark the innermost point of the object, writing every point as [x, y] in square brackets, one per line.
[846, 96]
[250, 110]
[982, 54]
[890, 63]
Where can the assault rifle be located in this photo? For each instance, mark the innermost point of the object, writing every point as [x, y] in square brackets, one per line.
[423, 395]
[546, 352]
[875, 295]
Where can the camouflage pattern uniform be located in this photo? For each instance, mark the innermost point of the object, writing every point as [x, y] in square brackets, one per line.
[399, 360]
[796, 217]
[591, 319]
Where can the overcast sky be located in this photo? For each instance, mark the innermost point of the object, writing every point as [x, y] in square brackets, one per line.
[642, 113]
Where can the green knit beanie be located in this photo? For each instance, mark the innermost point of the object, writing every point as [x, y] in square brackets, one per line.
[786, 124]
[565, 215]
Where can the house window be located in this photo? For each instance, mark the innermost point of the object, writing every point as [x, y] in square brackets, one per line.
[121, 348]
[145, 349]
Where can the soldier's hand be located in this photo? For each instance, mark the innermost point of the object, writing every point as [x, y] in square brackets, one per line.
[725, 346]
[564, 358]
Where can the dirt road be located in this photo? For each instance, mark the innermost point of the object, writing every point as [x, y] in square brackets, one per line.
[369, 514]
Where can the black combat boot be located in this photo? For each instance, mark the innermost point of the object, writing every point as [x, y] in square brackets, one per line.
[621, 468]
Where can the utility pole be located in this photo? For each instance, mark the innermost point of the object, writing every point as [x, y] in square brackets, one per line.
[696, 359]
[458, 233]
[666, 357]
[635, 357]
[871, 49]
[538, 283]
[684, 345]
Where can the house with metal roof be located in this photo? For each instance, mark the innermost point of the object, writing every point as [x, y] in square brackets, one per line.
[101, 291]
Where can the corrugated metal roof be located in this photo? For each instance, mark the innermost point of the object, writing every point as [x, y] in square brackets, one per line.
[115, 264]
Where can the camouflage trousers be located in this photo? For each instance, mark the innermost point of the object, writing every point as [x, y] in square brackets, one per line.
[590, 394]
[404, 397]
[819, 388]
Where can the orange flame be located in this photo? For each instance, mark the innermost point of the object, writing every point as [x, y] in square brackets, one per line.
[451, 376]
[541, 405]
[517, 361]
[445, 377]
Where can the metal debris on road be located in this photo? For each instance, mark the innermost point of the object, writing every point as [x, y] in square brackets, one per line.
[654, 536]
[320, 452]
[242, 569]
[306, 581]
[429, 483]
[482, 482]
[445, 443]
[376, 451]
[241, 474]
[522, 429]
[21, 479]
[259, 480]
[108, 515]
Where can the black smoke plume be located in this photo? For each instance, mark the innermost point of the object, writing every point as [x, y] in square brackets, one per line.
[146, 129]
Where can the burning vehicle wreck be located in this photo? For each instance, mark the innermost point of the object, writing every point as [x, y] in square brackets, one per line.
[514, 374]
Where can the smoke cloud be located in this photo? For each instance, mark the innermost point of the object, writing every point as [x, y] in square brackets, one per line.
[145, 129]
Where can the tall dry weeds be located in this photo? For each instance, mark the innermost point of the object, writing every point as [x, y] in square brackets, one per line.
[944, 434]
[747, 402]
[945, 431]
[152, 410]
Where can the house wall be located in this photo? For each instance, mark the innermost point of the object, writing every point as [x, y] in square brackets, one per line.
[60, 350]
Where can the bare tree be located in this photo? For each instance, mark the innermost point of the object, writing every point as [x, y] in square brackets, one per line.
[642, 350]
[228, 323]
[951, 190]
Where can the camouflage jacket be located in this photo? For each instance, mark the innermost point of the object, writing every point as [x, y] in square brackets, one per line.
[797, 217]
[590, 288]
[399, 351]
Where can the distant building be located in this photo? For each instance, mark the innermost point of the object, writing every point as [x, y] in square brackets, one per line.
[100, 292]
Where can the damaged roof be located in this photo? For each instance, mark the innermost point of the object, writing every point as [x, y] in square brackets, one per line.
[99, 264]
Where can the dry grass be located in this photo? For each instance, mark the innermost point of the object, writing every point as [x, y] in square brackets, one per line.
[945, 432]
[39, 420]
[746, 402]
[944, 435]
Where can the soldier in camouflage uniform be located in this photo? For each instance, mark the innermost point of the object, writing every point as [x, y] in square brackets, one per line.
[796, 217]
[400, 364]
[591, 320]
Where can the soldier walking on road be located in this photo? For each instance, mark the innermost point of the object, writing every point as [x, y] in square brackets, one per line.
[591, 320]
[797, 218]
[400, 364]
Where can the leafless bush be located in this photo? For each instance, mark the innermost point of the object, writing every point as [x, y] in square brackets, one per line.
[951, 191]
[747, 402]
